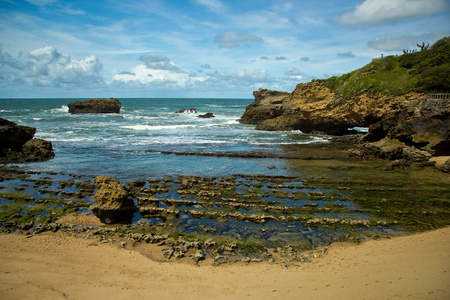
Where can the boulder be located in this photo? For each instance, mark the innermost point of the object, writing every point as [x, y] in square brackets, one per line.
[95, 106]
[207, 116]
[37, 150]
[113, 202]
[13, 136]
[17, 143]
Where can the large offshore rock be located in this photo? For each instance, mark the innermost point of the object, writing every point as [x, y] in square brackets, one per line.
[95, 106]
[113, 202]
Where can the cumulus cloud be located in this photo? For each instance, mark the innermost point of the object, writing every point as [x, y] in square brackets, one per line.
[234, 40]
[292, 72]
[348, 54]
[402, 41]
[47, 67]
[158, 62]
[214, 5]
[305, 59]
[378, 12]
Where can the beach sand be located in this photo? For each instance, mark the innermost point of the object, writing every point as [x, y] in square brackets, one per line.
[59, 266]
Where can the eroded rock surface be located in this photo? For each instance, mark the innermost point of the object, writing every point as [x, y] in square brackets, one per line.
[95, 106]
[113, 203]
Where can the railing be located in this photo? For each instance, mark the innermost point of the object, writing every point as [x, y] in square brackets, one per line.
[441, 100]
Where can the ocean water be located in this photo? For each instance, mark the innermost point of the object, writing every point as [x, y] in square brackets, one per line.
[128, 145]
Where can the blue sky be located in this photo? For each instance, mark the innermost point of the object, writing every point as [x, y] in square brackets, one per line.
[200, 48]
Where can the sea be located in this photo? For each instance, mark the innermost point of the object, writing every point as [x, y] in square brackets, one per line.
[131, 145]
[143, 141]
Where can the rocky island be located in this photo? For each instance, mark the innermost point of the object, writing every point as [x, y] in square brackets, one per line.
[95, 106]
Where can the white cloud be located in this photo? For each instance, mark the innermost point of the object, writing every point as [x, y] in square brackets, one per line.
[400, 42]
[234, 40]
[47, 67]
[377, 12]
[214, 5]
[158, 62]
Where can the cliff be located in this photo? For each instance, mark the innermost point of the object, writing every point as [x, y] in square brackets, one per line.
[389, 95]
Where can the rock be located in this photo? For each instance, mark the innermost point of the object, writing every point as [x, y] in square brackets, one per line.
[207, 116]
[389, 149]
[313, 107]
[17, 143]
[187, 111]
[446, 166]
[37, 150]
[267, 105]
[95, 106]
[198, 255]
[13, 136]
[113, 202]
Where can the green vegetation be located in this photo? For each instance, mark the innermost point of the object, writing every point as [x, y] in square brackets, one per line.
[426, 71]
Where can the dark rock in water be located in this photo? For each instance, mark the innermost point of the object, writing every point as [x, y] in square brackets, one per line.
[95, 106]
[207, 116]
[37, 150]
[17, 143]
[113, 203]
[187, 111]
[13, 136]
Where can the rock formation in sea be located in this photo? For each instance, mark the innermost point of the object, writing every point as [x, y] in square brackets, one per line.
[187, 111]
[207, 116]
[17, 143]
[95, 106]
[113, 202]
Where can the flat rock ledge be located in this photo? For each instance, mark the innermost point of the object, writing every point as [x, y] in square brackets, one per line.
[95, 106]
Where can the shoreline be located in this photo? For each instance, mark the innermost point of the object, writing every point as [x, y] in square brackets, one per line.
[59, 266]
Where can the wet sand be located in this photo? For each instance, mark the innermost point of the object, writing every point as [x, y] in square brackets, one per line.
[58, 266]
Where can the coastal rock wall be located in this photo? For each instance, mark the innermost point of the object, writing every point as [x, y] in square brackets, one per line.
[95, 106]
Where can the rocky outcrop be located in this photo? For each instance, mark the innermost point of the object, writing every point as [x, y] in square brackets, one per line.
[267, 105]
[17, 143]
[207, 116]
[187, 111]
[95, 106]
[313, 107]
[113, 202]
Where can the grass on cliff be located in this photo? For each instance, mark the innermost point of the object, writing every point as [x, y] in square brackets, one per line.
[426, 71]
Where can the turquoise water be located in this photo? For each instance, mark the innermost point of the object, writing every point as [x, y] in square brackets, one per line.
[128, 145]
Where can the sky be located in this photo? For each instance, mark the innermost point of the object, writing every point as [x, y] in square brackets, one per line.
[200, 48]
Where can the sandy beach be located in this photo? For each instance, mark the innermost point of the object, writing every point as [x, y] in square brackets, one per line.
[59, 266]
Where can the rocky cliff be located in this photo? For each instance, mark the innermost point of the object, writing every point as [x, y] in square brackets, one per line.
[95, 106]
[390, 96]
